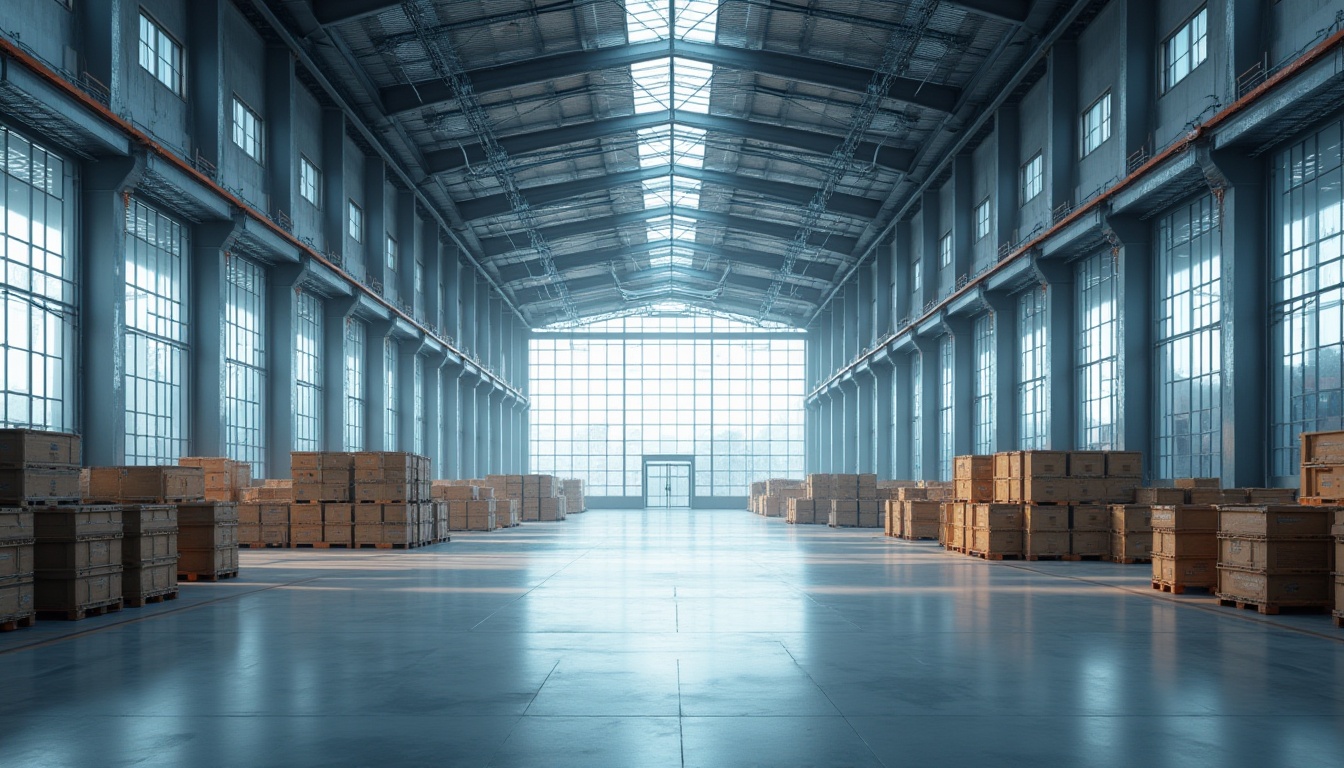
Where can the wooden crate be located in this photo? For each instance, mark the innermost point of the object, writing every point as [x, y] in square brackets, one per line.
[1185, 517]
[90, 521]
[1276, 555]
[1007, 490]
[143, 519]
[275, 535]
[1197, 545]
[1180, 573]
[1042, 464]
[207, 564]
[146, 484]
[16, 559]
[973, 468]
[1127, 464]
[1131, 546]
[1188, 483]
[1323, 481]
[1090, 543]
[274, 514]
[149, 580]
[1152, 496]
[211, 512]
[16, 603]
[305, 534]
[16, 524]
[338, 514]
[996, 543]
[1271, 591]
[1271, 495]
[305, 514]
[974, 490]
[74, 594]
[211, 536]
[1046, 543]
[1275, 520]
[27, 447]
[1089, 517]
[147, 547]
[1087, 464]
[1131, 518]
[338, 533]
[997, 517]
[322, 490]
[78, 554]
[249, 533]
[1323, 447]
[1036, 489]
[38, 485]
[1042, 518]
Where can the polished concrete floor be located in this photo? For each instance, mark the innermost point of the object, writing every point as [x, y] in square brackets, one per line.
[643, 638]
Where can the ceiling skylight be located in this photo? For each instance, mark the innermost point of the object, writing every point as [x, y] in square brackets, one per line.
[668, 85]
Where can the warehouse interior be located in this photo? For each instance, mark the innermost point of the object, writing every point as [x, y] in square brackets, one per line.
[696, 259]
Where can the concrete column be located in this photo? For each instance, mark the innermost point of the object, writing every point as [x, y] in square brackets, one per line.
[866, 426]
[824, 433]
[408, 249]
[1008, 160]
[1062, 97]
[375, 385]
[407, 351]
[963, 367]
[281, 404]
[481, 428]
[467, 425]
[882, 420]
[335, 197]
[929, 370]
[864, 307]
[282, 161]
[103, 296]
[963, 234]
[527, 444]
[208, 113]
[849, 427]
[435, 445]
[206, 305]
[104, 29]
[1061, 338]
[336, 312]
[1006, 406]
[450, 419]
[1133, 98]
[452, 306]
[902, 452]
[926, 250]
[1240, 183]
[376, 225]
[902, 253]
[1134, 331]
[882, 287]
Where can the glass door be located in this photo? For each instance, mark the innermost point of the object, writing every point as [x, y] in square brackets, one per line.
[667, 484]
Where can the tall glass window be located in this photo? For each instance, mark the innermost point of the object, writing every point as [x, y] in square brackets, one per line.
[983, 383]
[1096, 353]
[308, 420]
[1307, 294]
[37, 289]
[1189, 342]
[608, 394]
[1033, 370]
[946, 403]
[390, 394]
[355, 339]
[418, 390]
[156, 337]
[245, 363]
[917, 415]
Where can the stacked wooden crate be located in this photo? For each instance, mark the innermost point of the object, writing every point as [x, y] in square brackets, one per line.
[149, 553]
[1272, 557]
[207, 540]
[537, 496]
[572, 490]
[1046, 531]
[920, 511]
[1322, 468]
[996, 531]
[263, 513]
[392, 500]
[853, 502]
[1337, 530]
[224, 478]
[1185, 547]
[774, 501]
[468, 508]
[16, 568]
[77, 560]
[321, 505]
[1131, 533]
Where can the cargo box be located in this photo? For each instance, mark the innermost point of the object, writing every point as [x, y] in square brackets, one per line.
[1186, 544]
[207, 563]
[1300, 590]
[1186, 572]
[16, 560]
[73, 592]
[16, 524]
[38, 484]
[1042, 518]
[1090, 543]
[26, 447]
[1087, 464]
[1276, 555]
[1046, 543]
[1275, 520]
[148, 547]
[338, 533]
[78, 522]
[1323, 447]
[1185, 517]
[1127, 464]
[16, 599]
[149, 579]
[146, 484]
[209, 512]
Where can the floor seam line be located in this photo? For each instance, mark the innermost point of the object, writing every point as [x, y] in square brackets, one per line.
[830, 701]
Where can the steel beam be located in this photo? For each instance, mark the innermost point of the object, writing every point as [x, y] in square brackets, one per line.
[445, 160]
[411, 96]
[329, 12]
[808, 270]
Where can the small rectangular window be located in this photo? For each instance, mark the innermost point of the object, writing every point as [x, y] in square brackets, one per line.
[160, 54]
[246, 129]
[1033, 177]
[1096, 125]
[391, 254]
[945, 250]
[355, 222]
[916, 276]
[982, 220]
[1185, 49]
[310, 180]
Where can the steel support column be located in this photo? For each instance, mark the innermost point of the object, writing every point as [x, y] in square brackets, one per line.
[281, 401]
[335, 315]
[883, 426]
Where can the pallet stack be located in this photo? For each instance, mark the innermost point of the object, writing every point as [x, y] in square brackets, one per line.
[1185, 547]
[996, 531]
[538, 496]
[149, 553]
[77, 560]
[225, 478]
[572, 490]
[1272, 557]
[39, 468]
[1337, 530]
[772, 498]
[918, 511]
[207, 540]
[1322, 468]
[1131, 533]
[16, 568]
[470, 507]
[1046, 531]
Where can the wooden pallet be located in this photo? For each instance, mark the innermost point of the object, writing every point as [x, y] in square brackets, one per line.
[64, 501]
[1317, 501]
[84, 611]
[206, 576]
[1079, 558]
[321, 545]
[918, 538]
[1178, 589]
[139, 601]
[1045, 557]
[148, 500]
[995, 555]
[1339, 618]
[11, 623]
[260, 545]
[1268, 609]
[1129, 560]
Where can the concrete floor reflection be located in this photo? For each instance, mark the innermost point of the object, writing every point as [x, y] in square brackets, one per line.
[642, 638]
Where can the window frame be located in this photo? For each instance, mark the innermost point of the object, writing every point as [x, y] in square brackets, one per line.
[945, 250]
[1168, 62]
[258, 139]
[391, 251]
[1038, 177]
[354, 221]
[987, 220]
[1103, 129]
[308, 165]
[178, 65]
